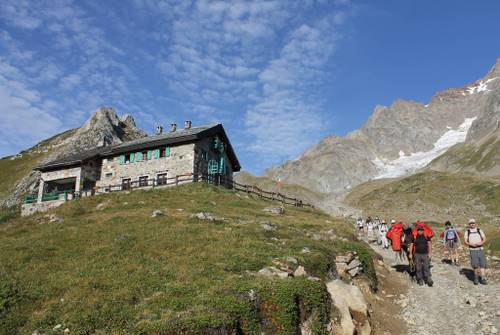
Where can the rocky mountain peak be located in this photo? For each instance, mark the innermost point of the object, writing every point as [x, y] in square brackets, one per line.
[128, 120]
[105, 125]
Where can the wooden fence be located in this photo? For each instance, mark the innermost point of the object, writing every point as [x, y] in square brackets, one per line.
[217, 180]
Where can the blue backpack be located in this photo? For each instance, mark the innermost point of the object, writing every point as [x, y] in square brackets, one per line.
[450, 234]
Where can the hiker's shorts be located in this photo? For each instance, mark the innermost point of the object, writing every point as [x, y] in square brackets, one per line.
[477, 259]
[451, 244]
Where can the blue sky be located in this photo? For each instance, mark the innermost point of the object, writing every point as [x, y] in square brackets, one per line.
[279, 75]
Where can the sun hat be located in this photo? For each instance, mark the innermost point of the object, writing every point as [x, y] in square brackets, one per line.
[472, 221]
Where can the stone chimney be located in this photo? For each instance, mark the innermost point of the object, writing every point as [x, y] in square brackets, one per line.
[159, 130]
[187, 124]
[173, 127]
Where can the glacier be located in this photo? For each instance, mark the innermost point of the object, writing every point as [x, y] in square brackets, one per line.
[407, 164]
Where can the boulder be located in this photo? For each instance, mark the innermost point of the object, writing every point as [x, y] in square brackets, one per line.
[271, 271]
[269, 226]
[274, 210]
[300, 272]
[353, 308]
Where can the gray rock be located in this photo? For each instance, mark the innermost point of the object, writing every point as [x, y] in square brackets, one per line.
[268, 226]
[305, 250]
[58, 326]
[156, 213]
[292, 260]
[300, 272]
[355, 263]
[274, 210]
[204, 216]
[271, 271]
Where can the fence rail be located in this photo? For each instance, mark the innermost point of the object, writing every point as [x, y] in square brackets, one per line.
[217, 180]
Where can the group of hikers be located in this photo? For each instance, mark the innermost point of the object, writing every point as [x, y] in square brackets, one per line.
[412, 242]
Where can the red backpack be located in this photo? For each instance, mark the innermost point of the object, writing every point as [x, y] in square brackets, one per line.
[394, 235]
[427, 230]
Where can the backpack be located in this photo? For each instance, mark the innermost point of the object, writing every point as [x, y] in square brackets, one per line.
[474, 232]
[394, 235]
[427, 230]
[451, 235]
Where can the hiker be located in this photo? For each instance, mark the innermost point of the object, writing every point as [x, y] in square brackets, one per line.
[451, 240]
[420, 253]
[370, 230]
[382, 229]
[394, 234]
[475, 238]
[368, 220]
[360, 224]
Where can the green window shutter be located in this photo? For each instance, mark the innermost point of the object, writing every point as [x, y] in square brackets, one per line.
[167, 152]
[138, 156]
[122, 159]
[156, 153]
[149, 154]
[132, 158]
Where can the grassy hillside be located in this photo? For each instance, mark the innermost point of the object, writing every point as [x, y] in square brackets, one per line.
[434, 196]
[14, 168]
[481, 158]
[110, 268]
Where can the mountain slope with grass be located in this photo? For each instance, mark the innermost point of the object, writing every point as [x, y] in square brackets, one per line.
[106, 265]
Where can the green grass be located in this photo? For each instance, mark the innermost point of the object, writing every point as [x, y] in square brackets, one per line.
[120, 271]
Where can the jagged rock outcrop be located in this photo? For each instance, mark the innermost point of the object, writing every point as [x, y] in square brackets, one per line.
[336, 164]
[103, 126]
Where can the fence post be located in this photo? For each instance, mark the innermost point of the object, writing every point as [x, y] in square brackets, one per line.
[176, 180]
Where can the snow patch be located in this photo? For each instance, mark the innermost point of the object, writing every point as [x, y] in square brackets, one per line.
[407, 164]
[481, 87]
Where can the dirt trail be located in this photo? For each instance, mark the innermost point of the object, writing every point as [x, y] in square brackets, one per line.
[454, 305]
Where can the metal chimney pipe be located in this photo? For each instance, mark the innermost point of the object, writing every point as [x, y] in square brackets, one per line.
[187, 124]
[173, 127]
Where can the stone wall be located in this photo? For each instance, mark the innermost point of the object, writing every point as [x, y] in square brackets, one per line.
[61, 174]
[181, 161]
[28, 209]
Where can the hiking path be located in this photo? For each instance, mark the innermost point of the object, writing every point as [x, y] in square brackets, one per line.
[454, 305]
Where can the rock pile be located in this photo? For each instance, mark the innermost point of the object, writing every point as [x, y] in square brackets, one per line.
[348, 265]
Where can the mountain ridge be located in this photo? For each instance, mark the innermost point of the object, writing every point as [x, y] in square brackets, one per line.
[406, 127]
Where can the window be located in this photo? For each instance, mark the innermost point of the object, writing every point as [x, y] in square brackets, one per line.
[165, 152]
[161, 179]
[109, 174]
[143, 181]
[126, 184]
[145, 155]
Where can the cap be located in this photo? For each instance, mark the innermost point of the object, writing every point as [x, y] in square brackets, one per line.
[393, 221]
[472, 221]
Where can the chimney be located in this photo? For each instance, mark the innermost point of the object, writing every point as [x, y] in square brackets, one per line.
[173, 127]
[159, 130]
[187, 124]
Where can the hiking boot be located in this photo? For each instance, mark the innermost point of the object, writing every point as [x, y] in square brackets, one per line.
[420, 282]
[476, 280]
[430, 282]
[483, 281]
